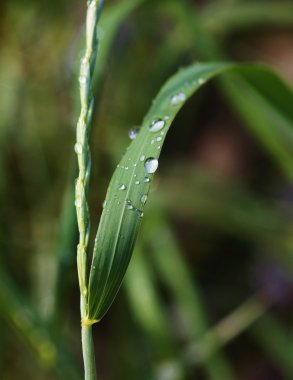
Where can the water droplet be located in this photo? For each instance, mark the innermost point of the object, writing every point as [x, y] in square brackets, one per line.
[78, 148]
[157, 125]
[162, 133]
[159, 147]
[126, 168]
[122, 187]
[129, 206]
[137, 182]
[142, 158]
[144, 198]
[151, 165]
[166, 118]
[159, 138]
[132, 133]
[82, 79]
[134, 165]
[201, 81]
[146, 180]
[153, 140]
[139, 213]
[178, 99]
[78, 203]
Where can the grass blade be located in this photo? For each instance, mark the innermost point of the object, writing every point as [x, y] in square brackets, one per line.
[129, 187]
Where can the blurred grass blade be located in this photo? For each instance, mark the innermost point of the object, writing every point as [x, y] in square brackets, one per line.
[174, 272]
[129, 187]
[149, 312]
[268, 112]
[146, 304]
[250, 104]
[110, 23]
[17, 312]
[222, 19]
[277, 344]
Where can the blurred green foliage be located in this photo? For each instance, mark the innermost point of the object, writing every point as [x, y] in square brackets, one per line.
[209, 291]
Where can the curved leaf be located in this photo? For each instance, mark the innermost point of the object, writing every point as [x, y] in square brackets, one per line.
[129, 187]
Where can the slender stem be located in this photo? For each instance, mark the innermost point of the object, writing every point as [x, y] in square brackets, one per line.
[88, 353]
[82, 150]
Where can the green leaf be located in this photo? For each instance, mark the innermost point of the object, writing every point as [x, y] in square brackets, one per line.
[129, 187]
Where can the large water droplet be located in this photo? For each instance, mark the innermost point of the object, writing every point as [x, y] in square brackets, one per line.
[157, 125]
[122, 187]
[178, 99]
[78, 148]
[151, 165]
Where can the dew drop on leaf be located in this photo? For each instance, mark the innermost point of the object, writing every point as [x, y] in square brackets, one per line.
[129, 206]
[139, 213]
[157, 125]
[122, 187]
[151, 165]
[178, 99]
[144, 198]
[201, 81]
[132, 133]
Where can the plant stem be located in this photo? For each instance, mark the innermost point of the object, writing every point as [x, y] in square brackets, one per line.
[82, 150]
[88, 353]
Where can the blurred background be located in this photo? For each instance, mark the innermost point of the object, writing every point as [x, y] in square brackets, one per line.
[209, 291]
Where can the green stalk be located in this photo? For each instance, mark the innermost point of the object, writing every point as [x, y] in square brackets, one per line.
[88, 353]
[82, 150]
